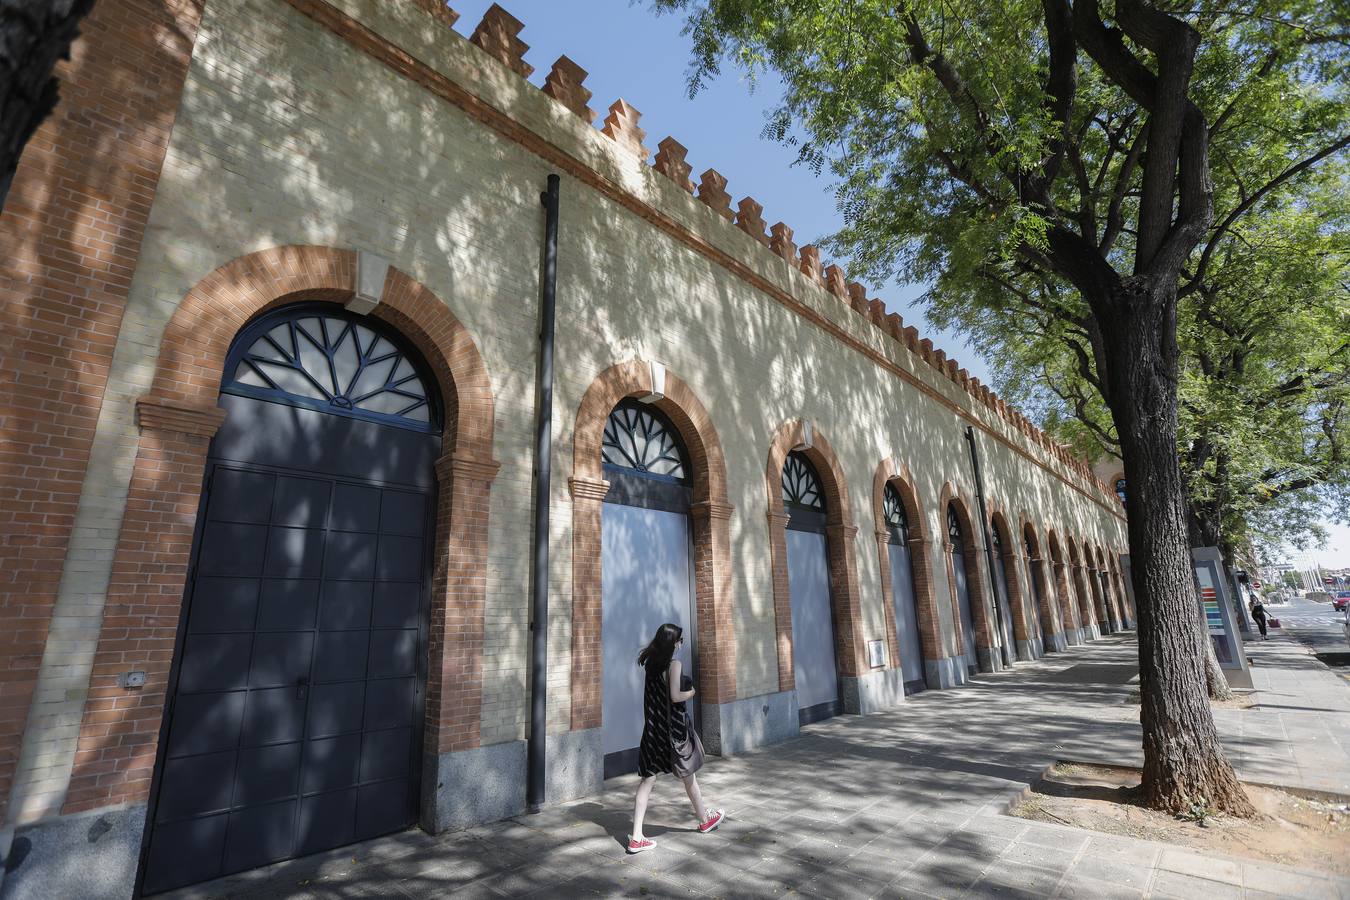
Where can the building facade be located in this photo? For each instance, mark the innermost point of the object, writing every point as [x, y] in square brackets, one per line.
[269, 360]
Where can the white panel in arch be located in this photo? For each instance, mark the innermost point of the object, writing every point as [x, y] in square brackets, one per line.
[644, 583]
[906, 614]
[812, 627]
[963, 601]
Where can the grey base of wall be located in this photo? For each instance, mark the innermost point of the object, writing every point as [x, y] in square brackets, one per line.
[1091, 632]
[874, 691]
[749, 722]
[574, 765]
[1029, 649]
[1056, 643]
[471, 787]
[945, 673]
[989, 659]
[1074, 636]
[92, 856]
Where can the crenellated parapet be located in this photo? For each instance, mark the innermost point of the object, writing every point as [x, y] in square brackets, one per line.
[498, 35]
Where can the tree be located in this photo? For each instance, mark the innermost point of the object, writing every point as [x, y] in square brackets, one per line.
[34, 34]
[1047, 153]
[1264, 369]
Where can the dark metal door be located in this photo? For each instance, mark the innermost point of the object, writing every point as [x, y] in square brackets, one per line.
[295, 724]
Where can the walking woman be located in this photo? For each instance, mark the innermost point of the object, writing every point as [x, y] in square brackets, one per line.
[1258, 611]
[669, 742]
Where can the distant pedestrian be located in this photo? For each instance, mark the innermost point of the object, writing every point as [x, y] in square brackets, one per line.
[669, 742]
[1259, 614]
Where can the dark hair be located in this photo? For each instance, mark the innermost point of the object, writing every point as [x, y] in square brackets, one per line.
[661, 650]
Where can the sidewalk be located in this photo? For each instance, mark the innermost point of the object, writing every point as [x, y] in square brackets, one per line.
[902, 804]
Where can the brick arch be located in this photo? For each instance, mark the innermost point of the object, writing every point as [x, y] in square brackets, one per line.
[177, 420]
[1037, 560]
[921, 561]
[951, 496]
[1087, 614]
[709, 519]
[1108, 588]
[1102, 603]
[1017, 598]
[1059, 561]
[840, 534]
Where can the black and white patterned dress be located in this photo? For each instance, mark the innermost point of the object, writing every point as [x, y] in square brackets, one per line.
[663, 724]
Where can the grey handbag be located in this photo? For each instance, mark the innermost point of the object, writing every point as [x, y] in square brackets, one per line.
[686, 756]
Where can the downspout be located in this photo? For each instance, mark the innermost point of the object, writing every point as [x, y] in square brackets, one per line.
[1009, 653]
[543, 472]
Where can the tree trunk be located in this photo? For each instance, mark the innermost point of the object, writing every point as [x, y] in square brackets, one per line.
[34, 34]
[1183, 759]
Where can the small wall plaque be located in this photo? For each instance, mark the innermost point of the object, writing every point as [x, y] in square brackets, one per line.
[876, 654]
[131, 679]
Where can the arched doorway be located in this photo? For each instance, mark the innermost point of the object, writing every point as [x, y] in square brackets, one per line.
[645, 574]
[299, 683]
[1102, 598]
[815, 668]
[962, 575]
[903, 593]
[1050, 631]
[1002, 556]
[1068, 610]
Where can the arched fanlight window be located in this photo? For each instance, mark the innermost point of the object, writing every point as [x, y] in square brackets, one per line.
[326, 358]
[996, 539]
[1031, 546]
[639, 439]
[954, 527]
[896, 519]
[801, 484]
[1120, 489]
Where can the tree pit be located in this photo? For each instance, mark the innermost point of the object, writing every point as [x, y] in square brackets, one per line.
[1305, 832]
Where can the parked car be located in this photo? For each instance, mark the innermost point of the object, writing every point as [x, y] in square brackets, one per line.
[1341, 601]
[1347, 624]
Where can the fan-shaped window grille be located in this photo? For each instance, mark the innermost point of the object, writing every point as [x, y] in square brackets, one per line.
[996, 539]
[637, 438]
[896, 519]
[801, 484]
[1031, 547]
[328, 359]
[1120, 489]
[954, 528]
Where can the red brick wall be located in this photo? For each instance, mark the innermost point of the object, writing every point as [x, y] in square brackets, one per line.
[70, 237]
[118, 736]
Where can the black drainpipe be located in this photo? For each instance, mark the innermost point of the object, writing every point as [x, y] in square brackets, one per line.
[1008, 652]
[543, 472]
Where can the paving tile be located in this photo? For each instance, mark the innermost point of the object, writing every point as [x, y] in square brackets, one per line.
[1176, 884]
[1201, 866]
[704, 875]
[1077, 887]
[1015, 882]
[1055, 859]
[1288, 882]
[1126, 874]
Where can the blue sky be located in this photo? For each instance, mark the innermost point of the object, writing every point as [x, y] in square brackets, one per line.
[632, 53]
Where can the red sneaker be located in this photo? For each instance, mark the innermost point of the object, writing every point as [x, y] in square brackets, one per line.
[637, 846]
[714, 819]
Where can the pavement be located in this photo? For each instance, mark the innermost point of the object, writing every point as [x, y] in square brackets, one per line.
[908, 803]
